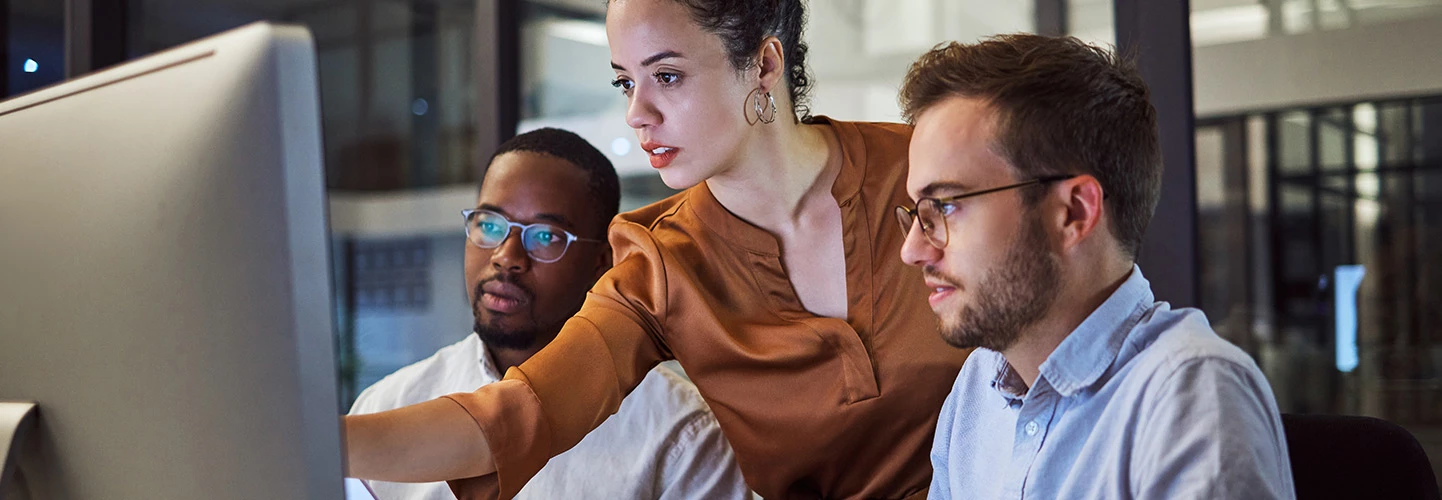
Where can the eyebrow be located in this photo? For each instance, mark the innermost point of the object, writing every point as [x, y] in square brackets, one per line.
[557, 219]
[669, 54]
[932, 189]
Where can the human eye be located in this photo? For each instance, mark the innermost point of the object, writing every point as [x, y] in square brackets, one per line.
[947, 208]
[623, 83]
[489, 227]
[546, 236]
[666, 78]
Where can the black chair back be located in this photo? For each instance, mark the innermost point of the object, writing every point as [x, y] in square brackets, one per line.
[1356, 457]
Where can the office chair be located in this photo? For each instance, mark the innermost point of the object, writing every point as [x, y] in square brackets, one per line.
[1356, 457]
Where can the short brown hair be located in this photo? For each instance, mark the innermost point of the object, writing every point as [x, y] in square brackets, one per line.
[1062, 107]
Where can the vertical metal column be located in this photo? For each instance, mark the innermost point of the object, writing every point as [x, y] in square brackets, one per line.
[1275, 18]
[96, 35]
[1410, 230]
[109, 32]
[1158, 34]
[509, 16]
[1238, 214]
[4, 49]
[497, 67]
[425, 91]
[1427, 186]
[78, 23]
[1052, 17]
[1349, 216]
[365, 62]
[1276, 223]
[1321, 321]
[1318, 235]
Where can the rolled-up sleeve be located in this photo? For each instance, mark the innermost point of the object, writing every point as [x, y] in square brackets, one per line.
[549, 403]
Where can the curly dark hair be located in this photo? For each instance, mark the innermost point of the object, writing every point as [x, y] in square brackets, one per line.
[604, 184]
[744, 24]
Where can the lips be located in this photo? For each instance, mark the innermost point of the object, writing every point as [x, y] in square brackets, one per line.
[940, 291]
[661, 155]
[504, 298]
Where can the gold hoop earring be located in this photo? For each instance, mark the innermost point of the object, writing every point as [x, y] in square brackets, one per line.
[761, 114]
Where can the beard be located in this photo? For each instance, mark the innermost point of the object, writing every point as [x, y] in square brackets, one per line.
[501, 338]
[491, 332]
[1010, 297]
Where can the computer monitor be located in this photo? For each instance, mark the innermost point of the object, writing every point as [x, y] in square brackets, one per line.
[164, 277]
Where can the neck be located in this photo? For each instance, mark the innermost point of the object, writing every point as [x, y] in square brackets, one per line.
[1084, 289]
[505, 359]
[782, 169]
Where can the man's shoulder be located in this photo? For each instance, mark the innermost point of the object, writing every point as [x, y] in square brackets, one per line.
[427, 379]
[1183, 336]
[1183, 341]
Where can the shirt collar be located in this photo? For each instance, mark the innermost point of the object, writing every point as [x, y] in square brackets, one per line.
[853, 156]
[847, 185]
[1006, 381]
[488, 366]
[1084, 356]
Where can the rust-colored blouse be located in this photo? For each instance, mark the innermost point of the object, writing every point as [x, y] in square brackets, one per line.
[814, 407]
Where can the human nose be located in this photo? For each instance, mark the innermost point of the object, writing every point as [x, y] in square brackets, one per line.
[641, 112]
[916, 249]
[511, 255]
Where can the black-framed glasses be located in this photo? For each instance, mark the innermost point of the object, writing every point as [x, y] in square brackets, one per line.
[543, 242]
[932, 212]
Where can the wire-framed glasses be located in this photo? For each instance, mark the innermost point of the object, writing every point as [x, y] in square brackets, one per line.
[543, 242]
[932, 212]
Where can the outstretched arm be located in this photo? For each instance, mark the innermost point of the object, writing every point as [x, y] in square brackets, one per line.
[432, 441]
[496, 438]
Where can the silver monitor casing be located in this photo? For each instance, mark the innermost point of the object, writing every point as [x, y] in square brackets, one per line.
[164, 277]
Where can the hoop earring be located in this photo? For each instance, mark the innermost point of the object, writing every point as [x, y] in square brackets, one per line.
[761, 115]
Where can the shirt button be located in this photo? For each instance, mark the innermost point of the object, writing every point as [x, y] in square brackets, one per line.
[1031, 428]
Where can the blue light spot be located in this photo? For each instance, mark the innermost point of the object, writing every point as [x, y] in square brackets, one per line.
[1344, 299]
[31, 66]
[419, 107]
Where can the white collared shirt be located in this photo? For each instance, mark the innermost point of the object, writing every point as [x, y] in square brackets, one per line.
[663, 442]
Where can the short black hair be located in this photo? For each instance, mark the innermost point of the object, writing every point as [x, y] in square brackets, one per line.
[604, 185]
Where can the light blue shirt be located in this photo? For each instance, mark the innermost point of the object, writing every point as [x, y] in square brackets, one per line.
[1140, 401]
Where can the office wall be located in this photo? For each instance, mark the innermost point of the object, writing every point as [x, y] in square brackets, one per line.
[861, 49]
[1357, 64]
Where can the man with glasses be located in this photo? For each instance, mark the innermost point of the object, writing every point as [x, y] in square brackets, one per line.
[1035, 167]
[535, 246]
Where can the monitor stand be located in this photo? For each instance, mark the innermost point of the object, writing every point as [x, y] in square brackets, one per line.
[17, 420]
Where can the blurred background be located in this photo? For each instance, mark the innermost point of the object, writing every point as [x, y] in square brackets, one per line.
[1306, 159]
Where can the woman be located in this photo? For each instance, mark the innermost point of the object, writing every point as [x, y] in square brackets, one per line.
[773, 280]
